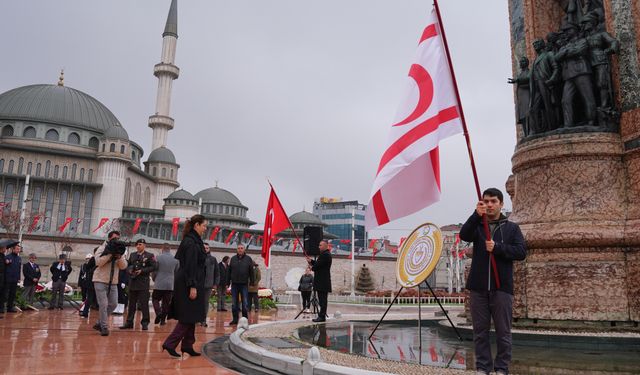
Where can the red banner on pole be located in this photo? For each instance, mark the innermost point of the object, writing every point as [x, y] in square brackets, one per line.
[295, 245]
[275, 222]
[65, 224]
[214, 233]
[174, 229]
[102, 222]
[229, 237]
[136, 225]
[34, 223]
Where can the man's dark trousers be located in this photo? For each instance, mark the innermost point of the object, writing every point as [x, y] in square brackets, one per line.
[322, 301]
[138, 297]
[239, 291]
[161, 300]
[496, 305]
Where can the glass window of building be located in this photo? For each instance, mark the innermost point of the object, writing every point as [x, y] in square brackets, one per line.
[127, 192]
[62, 206]
[88, 206]
[48, 209]
[65, 170]
[172, 173]
[147, 198]
[75, 210]
[74, 138]
[29, 167]
[81, 174]
[8, 196]
[90, 175]
[122, 149]
[7, 131]
[38, 169]
[154, 172]
[137, 195]
[29, 132]
[10, 170]
[226, 210]
[74, 167]
[20, 198]
[47, 168]
[112, 148]
[94, 143]
[1, 165]
[52, 135]
[56, 171]
[20, 165]
[35, 200]
[164, 172]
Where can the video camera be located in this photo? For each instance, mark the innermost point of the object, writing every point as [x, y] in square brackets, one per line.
[116, 247]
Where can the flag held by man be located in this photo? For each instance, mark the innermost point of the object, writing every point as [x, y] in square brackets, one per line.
[408, 176]
[275, 222]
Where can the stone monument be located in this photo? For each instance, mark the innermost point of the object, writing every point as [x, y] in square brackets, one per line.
[575, 185]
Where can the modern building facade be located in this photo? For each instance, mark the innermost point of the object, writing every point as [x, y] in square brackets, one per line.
[341, 218]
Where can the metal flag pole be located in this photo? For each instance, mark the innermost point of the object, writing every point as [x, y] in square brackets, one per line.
[353, 252]
[467, 139]
[420, 323]
[23, 208]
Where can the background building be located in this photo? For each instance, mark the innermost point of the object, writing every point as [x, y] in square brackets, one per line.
[341, 217]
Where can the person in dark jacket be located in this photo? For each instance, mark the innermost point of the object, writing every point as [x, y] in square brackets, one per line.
[491, 295]
[60, 271]
[322, 279]
[3, 249]
[91, 301]
[306, 287]
[188, 302]
[141, 264]
[211, 279]
[254, 287]
[221, 292]
[82, 277]
[32, 274]
[12, 267]
[240, 276]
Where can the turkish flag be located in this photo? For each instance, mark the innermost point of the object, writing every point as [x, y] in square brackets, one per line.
[295, 245]
[275, 222]
[136, 225]
[64, 225]
[229, 237]
[214, 233]
[408, 176]
[34, 224]
[174, 226]
[103, 221]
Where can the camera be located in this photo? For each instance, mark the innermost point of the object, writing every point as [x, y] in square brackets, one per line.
[116, 247]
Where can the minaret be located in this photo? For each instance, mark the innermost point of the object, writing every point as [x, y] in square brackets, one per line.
[166, 72]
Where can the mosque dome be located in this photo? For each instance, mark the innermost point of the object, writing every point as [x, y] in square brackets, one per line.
[217, 195]
[304, 217]
[181, 194]
[117, 132]
[58, 105]
[162, 155]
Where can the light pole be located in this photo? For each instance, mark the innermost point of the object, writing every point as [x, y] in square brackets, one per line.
[353, 252]
[24, 207]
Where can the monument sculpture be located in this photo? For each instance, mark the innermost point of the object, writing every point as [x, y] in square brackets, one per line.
[575, 185]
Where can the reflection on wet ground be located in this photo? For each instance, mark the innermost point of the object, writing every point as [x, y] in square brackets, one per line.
[400, 342]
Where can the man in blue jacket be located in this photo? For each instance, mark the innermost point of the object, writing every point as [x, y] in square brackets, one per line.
[491, 299]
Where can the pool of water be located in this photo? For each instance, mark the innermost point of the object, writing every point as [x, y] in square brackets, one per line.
[399, 341]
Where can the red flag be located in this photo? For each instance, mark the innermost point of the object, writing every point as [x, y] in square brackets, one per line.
[136, 225]
[295, 245]
[214, 233]
[434, 355]
[372, 243]
[275, 222]
[350, 255]
[346, 242]
[103, 221]
[174, 228]
[457, 239]
[402, 241]
[402, 357]
[246, 235]
[408, 176]
[34, 223]
[229, 237]
[64, 225]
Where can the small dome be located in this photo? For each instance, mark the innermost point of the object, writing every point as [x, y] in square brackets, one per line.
[117, 132]
[162, 155]
[304, 217]
[181, 194]
[56, 104]
[217, 195]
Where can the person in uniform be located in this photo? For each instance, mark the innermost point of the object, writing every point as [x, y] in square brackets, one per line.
[141, 264]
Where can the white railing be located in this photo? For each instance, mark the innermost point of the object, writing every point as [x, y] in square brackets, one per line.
[294, 298]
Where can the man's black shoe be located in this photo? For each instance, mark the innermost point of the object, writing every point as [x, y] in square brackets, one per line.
[104, 331]
[318, 320]
[97, 327]
[145, 327]
[84, 315]
[163, 321]
[126, 326]
[224, 310]
[233, 323]
[158, 319]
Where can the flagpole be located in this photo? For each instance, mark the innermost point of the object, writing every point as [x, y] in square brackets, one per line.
[353, 252]
[485, 223]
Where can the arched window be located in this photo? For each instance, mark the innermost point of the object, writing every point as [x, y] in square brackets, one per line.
[154, 172]
[52, 135]
[7, 131]
[74, 138]
[62, 206]
[48, 210]
[75, 210]
[35, 200]
[29, 132]
[20, 165]
[112, 148]
[164, 172]
[8, 196]
[29, 167]
[38, 169]
[122, 149]
[88, 206]
[47, 168]
[10, 170]
[147, 197]
[172, 173]
[137, 195]
[74, 168]
[94, 143]
[81, 174]
[127, 192]
[90, 176]
[65, 170]
[1, 165]
[56, 170]
[133, 155]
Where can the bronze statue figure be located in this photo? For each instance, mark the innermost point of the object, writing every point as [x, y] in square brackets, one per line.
[522, 94]
[544, 74]
[601, 47]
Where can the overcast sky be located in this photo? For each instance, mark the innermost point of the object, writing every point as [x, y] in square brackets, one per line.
[300, 92]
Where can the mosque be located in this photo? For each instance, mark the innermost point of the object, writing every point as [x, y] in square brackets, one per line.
[87, 176]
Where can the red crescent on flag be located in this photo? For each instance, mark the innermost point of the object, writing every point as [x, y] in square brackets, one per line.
[425, 87]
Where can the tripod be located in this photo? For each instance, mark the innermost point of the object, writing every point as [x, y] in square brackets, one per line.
[314, 305]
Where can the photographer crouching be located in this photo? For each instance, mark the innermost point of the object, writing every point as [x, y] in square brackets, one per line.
[108, 256]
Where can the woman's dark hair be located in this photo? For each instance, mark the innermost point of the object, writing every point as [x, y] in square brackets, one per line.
[195, 219]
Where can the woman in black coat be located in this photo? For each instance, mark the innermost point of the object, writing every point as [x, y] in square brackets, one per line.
[188, 305]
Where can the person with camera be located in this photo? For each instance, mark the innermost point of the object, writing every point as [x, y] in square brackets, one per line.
[241, 275]
[163, 284]
[60, 271]
[141, 264]
[306, 287]
[188, 299]
[322, 279]
[110, 259]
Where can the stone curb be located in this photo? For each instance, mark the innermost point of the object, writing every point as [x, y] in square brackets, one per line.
[283, 363]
